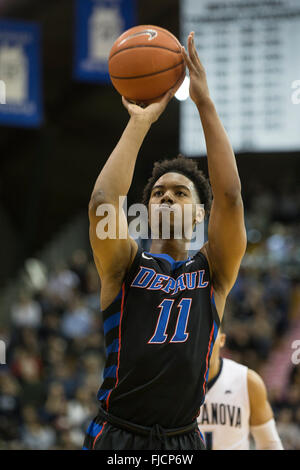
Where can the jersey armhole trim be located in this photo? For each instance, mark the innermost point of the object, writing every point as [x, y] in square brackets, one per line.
[215, 314]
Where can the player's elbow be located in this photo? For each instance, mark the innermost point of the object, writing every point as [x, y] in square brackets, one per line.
[233, 197]
[98, 197]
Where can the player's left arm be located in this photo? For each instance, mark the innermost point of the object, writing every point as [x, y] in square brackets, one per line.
[226, 230]
[262, 423]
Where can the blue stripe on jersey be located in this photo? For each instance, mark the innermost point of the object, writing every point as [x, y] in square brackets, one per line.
[213, 300]
[113, 347]
[173, 263]
[94, 429]
[103, 393]
[110, 372]
[201, 435]
[111, 322]
[119, 296]
[215, 330]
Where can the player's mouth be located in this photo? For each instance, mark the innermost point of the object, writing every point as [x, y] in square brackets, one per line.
[165, 207]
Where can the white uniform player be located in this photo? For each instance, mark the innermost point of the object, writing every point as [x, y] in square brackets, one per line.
[236, 406]
[224, 416]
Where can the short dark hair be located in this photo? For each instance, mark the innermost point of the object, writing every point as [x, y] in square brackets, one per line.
[186, 167]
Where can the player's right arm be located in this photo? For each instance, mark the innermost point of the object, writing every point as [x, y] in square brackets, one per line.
[262, 423]
[113, 255]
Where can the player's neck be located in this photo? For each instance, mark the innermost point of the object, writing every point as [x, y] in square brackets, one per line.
[177, 249]
[214, 368]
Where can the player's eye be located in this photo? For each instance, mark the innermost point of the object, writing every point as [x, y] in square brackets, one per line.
[180, 193]
[157, 193]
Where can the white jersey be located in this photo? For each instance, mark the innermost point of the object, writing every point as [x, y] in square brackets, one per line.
[224, 415]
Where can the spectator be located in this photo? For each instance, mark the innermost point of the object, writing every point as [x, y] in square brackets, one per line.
[26, 312]
[35, 435]
[62, 284]
[77, 322]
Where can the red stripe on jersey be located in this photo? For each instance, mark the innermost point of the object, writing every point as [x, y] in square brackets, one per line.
[207, 356]
[99, 433]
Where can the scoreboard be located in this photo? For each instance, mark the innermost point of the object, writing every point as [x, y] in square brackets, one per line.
[251, 52]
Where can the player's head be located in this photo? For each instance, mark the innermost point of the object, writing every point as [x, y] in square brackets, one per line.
[178, 184]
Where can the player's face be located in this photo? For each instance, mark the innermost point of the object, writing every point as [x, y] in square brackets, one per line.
[174, 200]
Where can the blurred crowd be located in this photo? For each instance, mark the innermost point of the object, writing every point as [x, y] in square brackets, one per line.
[55, 348]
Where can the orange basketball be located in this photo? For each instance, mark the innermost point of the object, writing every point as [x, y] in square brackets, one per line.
[145, 62]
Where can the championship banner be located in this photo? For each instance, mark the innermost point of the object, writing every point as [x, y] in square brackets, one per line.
[20, 74]
[98, 24]
[250, 50]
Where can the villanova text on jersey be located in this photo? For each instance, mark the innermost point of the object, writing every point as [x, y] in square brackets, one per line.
[220, 413]
[159, 334]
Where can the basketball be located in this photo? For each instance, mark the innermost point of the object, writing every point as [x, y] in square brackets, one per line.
[145, 62]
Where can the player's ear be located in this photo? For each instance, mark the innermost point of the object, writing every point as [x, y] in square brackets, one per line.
[222, 340]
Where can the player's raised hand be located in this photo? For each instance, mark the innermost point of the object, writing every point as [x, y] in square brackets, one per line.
[199, 91]
[151, 112]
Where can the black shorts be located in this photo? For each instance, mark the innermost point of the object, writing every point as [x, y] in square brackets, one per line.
[103, 435]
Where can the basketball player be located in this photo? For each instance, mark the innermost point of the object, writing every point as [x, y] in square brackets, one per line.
[162, 310]
[236, 405]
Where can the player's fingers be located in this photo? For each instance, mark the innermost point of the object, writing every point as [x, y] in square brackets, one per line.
[187, 59]
[193, 51]
[128, 105]
[167, 97]
[125, 102]
[191, 47]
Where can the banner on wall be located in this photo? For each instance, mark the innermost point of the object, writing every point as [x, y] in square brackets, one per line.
[20, 74]
[98, 24]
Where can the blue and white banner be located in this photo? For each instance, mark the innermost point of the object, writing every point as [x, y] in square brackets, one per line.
[98, 24]
[20, 74]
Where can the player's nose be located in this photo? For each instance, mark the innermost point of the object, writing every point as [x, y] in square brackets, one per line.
[167, 198]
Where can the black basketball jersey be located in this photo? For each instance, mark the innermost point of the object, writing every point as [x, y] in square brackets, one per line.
[159, 334]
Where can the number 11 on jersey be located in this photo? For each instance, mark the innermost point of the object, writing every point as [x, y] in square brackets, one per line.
[180, 335]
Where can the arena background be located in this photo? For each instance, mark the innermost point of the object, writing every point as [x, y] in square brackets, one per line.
[50, 319]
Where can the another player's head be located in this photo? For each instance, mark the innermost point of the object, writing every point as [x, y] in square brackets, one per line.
[177, 184]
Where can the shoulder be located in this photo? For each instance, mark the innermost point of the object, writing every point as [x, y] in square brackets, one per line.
[256, 387]
[260, 408]
[239, 371]
[229, 363]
